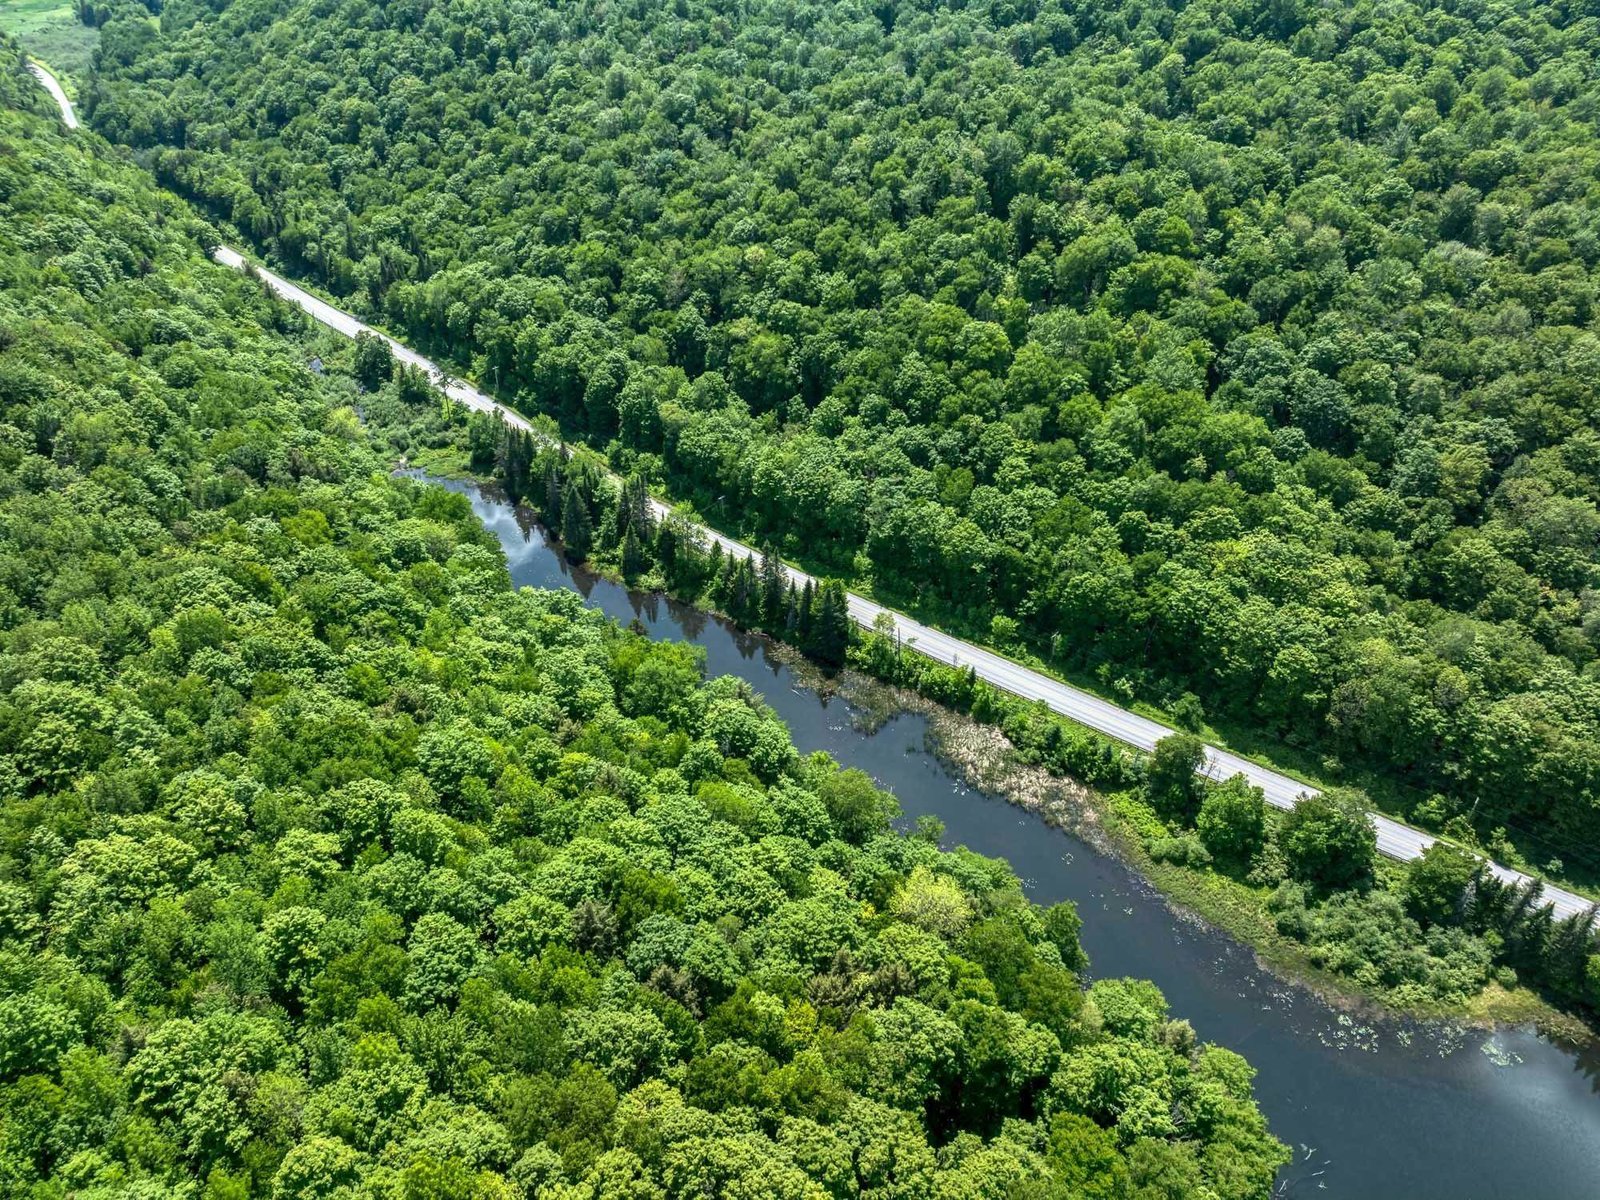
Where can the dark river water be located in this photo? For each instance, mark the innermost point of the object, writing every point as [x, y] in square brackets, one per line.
[1374, 1109]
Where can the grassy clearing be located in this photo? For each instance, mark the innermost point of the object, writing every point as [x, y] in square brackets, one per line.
[50, 31]
[445, 462]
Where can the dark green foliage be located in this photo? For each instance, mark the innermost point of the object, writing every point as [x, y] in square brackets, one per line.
[1328, 839]
[1062, 925]
[830, 624]
[1171, 783]
[633, 556]
[1232, 820]
[374, 363]
[857, 808]
[577, 527]
[1239, 351]
[331, 866]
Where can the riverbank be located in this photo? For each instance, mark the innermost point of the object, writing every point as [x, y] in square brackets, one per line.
[987, 760]
[1115, 822]
[1380, 1107]
[1077, 705]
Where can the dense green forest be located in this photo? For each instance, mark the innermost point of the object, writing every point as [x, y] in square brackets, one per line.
[1306, 886]
[1240, 349]
[331, 867]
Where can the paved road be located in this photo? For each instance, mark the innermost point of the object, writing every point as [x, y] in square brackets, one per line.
[68, 117]
[1394, 839]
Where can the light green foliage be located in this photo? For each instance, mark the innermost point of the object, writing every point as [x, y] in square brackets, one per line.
[1371, 939]
[932, 902]
[334, 868]
[1435, 885]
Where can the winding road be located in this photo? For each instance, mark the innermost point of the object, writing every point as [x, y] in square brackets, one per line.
[53, 86]
[1397, 840]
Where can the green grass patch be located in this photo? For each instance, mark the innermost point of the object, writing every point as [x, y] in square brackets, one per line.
[446, 462]
[1137, 816]
[50, 31]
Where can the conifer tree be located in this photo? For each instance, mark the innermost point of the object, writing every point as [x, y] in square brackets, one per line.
[516, 462]
[807, 612]
[550, 514]
[745, 603]
[577, 527]
[667, 554]
[791, 613]
[609, 528]
[772, 580]
[634, 561]
[634, 506]
[830, 631]
[722, 588]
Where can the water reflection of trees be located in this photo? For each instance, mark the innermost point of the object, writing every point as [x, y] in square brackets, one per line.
[527, 523]
[745, 642]
[689, 618]
[646, 606]
[1586, 1061]
[770, 656]
[583, 581]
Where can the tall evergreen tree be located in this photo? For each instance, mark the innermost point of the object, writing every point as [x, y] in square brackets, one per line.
[516, 462]
[830, 631]
[634, 560]
[773, 577]
[807, 612]
[577, 527]
[608, 528]
[551, 512]
[791, 613]
[634, 506]
[745, 603]
[667, 554]
[722, 587]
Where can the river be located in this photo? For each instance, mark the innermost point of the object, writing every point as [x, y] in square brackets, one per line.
[1374, 1109]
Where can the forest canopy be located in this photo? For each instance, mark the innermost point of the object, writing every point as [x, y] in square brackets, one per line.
[332, 867]
[1238, 349]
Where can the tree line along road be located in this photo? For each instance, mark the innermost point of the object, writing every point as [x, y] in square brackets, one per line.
[1395, 839]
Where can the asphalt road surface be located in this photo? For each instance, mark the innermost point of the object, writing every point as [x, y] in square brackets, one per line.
[1395, 839]
[68, 117]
